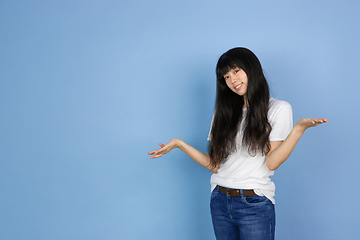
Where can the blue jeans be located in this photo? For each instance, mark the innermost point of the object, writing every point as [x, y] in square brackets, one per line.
[242, 218]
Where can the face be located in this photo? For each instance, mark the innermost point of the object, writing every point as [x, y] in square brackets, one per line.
[236, 79]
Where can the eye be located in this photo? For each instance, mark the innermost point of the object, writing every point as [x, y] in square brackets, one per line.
[236, 71]
[226, 77]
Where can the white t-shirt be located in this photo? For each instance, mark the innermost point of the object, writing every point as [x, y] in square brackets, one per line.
[242, 171]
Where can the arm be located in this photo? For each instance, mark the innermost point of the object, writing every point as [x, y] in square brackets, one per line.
[281, 150]
[199, 157]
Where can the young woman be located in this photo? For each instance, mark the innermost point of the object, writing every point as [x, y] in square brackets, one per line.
[251, 135]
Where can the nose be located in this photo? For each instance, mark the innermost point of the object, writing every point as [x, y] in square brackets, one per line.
[233, 80]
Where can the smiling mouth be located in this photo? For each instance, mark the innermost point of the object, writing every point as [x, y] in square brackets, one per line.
[238, 86]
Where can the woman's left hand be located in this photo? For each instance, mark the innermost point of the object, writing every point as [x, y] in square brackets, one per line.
[305, 123]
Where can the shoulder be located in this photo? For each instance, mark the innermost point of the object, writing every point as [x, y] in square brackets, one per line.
[279, 106]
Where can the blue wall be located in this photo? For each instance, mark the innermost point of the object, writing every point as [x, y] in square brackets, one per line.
[89, 87]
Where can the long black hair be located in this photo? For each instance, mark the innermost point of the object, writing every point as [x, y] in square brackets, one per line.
[229, 108]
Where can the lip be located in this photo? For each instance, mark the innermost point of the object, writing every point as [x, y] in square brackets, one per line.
[238, 87]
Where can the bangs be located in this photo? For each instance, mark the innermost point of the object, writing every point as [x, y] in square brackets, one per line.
[225, 64]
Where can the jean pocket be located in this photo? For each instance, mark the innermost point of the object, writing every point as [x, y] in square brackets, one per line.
[256, 200]
[214, 193]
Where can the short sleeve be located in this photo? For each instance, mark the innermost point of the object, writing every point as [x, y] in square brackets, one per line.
[281, 120]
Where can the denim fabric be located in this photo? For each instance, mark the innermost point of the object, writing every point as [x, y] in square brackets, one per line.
[242, 218]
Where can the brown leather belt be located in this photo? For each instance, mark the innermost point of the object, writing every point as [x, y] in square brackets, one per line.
[236, 192]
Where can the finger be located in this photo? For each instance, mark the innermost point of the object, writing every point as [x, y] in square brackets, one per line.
[156, 156]
[325, 119]
[153, 152]
[316, 121]
[321, 119]
[311, 121]
[160, 151]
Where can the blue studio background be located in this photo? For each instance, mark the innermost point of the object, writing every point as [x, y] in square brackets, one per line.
[89, 87]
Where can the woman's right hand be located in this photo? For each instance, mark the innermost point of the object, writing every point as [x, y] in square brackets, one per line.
[174, 143]
[198, 156]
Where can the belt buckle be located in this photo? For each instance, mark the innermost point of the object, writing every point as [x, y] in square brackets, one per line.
[227, 192]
